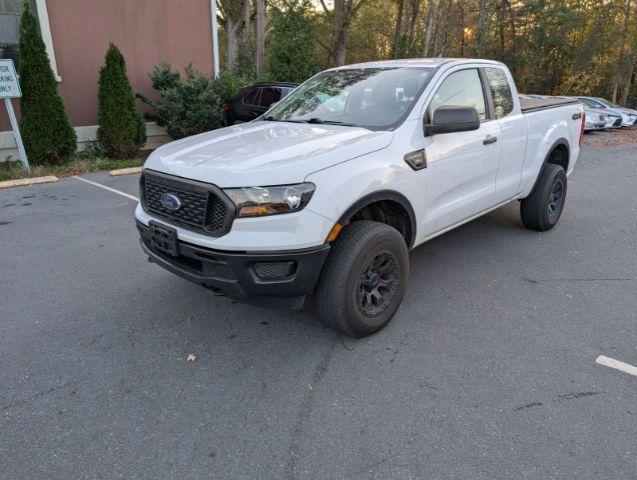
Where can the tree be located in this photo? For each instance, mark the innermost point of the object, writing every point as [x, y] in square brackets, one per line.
[413, 18]
[341, 17]
[46, 131]
[122, 131]
[399, 19]
[431, 14]
[623, 59]
[292, 53]
[235, 19]
[260, 63]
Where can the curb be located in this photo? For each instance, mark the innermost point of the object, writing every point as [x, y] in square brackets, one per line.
[28, 181]
[125, 171]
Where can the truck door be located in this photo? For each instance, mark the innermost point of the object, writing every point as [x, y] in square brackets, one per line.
[513, 137]
[462, 166]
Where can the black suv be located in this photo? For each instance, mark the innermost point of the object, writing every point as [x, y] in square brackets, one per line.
[253, 100]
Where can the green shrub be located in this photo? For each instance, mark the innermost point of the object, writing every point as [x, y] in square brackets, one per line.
[190, 106]
[122, 131]
[46, 131]
[291, 53]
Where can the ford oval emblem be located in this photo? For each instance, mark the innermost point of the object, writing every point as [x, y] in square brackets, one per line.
[170, 201]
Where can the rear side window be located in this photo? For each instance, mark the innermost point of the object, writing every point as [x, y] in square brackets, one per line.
[500, 91]
[269, 95]
[252, 97]
[461, 89]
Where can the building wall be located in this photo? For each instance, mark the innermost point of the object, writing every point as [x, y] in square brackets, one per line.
[146, 31]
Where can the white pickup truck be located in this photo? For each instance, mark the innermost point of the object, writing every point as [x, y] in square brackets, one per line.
[324, 195]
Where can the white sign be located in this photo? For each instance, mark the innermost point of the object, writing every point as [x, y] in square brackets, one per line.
[9, 86]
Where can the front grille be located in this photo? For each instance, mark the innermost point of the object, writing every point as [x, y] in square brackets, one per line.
[203, 207]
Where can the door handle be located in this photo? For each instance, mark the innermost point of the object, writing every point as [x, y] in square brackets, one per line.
[489, 139]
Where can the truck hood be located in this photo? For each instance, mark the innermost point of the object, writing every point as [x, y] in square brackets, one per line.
[264, 153]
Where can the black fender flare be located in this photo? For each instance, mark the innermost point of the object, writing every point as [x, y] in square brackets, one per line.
[378, 196]
[562, 141]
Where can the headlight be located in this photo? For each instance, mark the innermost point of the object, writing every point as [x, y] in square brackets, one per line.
[260, 201]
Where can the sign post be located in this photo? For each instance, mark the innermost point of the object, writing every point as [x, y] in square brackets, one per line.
[10, 88]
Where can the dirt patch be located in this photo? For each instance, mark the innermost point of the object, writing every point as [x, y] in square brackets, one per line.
[611, 138]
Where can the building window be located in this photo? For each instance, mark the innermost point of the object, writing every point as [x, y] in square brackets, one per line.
[10, 12]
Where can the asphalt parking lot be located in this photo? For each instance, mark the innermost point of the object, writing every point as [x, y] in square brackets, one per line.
[487, 372]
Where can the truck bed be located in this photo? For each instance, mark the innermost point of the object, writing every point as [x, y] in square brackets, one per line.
[533, 103]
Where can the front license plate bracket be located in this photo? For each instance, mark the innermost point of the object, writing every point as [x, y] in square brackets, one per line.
[163, 238]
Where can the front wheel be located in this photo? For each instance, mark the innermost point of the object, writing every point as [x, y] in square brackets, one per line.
[542, 208]
[364, 279]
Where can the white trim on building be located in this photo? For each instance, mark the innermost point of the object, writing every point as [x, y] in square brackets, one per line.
[156, 136]
[45, 30]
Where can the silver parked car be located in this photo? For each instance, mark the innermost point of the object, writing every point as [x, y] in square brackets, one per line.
[628, 116]
[596, 119]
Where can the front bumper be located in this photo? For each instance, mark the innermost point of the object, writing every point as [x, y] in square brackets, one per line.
[594, 126]
[266, 278]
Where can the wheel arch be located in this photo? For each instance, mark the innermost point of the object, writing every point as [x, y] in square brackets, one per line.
[559, 153]
[399, 206]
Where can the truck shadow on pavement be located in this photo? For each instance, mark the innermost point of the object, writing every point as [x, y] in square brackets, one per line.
[436, 262]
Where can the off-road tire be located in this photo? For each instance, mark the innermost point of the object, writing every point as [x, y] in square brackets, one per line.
[345, 295]
[542, 209]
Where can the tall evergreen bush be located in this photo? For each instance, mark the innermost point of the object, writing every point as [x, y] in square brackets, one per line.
[46, 131]
[122, 131]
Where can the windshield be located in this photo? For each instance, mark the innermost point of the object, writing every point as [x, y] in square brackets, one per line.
[592, 103]
[373, 98]
[608, 103]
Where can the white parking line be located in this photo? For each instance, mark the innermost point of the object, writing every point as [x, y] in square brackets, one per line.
[616, 364]
[119, 192]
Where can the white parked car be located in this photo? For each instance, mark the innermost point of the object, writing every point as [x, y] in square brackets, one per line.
[595, 119]
[325, 194]
[628, 116]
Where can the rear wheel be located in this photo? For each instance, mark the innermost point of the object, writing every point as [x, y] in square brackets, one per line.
[364, 279]
[542, 208]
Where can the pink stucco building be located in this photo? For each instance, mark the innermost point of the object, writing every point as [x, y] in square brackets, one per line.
[77, 34]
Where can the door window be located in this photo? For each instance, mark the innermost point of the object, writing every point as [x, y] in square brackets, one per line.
[269, 95]
[252, 97]
[461, 89]
[500, 91]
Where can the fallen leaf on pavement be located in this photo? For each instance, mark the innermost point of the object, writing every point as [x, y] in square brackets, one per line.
[188, 320]
[310, 387]
[191, 357]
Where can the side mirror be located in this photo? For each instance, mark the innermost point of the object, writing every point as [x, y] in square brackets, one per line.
[449, 119]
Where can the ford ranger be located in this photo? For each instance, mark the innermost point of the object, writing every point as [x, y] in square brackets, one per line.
[322, 197]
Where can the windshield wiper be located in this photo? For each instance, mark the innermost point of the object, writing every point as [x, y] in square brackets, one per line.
[270, 118]
[329, 122]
